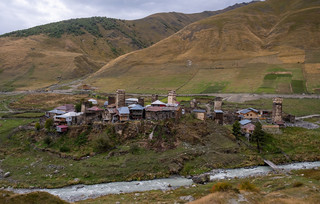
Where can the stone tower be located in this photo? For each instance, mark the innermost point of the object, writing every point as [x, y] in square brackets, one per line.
[172, 97]
[141, 101]
[277, 110]
[84, 106]
[120, 98]
[193, 103]
[217, 103]
[154, 97]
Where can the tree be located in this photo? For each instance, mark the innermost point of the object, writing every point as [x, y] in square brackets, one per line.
[78, 107]
[37, 126]
[48, 124]
[258, 136]
[236, 129]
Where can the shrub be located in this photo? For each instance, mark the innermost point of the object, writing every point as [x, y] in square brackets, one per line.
[297, 184]
[48, 141]
[103, 143]
[37, 126]
[82, 139]
[222, 187]
[247, 186]
[64, 149]
[134, 149]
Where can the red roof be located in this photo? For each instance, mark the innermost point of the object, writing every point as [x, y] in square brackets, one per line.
[95, 108]
[154, 108]
[62, 126]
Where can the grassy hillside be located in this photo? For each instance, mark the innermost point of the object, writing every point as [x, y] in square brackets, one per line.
[266, 47]
[61, 52]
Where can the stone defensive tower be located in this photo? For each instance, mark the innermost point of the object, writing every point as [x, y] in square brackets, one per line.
[141, 101]
[277, 110]
[172, 97]
[84, 106]
[120, 98]
[217, 103]
[154, 97]
[193, 103]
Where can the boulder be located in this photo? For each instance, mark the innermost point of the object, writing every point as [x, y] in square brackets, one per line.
[201, 179]
[188, 198]
[7, 174]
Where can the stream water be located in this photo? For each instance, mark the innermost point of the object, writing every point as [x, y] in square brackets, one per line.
[82, 192]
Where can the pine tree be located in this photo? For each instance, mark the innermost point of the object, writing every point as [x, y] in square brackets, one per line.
[258, 136]
[236, 129]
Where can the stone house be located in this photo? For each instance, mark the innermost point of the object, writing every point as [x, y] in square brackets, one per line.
[200, 114]
[137, 112]
[249, 113]
[124, 114]
[162, 113]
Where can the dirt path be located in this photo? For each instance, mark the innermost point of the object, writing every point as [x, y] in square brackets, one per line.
[307, 116]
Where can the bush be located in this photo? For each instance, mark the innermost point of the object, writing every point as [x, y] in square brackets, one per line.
[223, 187]
[297, 184]
[48, 141]
[48, 124]
[64, 149]
[82, 139]
[247, 186]
[37, 126]
[103, 143]
[134, 149]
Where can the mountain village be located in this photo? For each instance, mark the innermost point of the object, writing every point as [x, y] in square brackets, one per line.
[119, 109]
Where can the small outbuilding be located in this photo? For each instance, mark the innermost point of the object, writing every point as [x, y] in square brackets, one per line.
[62, 128]
[200, 114]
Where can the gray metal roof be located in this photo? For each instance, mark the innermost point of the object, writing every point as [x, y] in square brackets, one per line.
[137, 107]
[199, 111]
[55, 111]
[244, 122]
[123, 110]
[218, 111]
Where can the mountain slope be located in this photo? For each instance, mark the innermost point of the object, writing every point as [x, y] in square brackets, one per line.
[64, 51]
[266, 47]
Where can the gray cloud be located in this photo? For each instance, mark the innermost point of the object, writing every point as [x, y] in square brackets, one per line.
[22, 14]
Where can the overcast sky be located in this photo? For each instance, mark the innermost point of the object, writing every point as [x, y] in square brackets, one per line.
[21, 14]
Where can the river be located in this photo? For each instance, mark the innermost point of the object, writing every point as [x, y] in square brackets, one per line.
[83, 192]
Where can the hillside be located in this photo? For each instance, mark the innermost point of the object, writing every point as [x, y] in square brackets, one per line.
[266, 47]
[60, 52]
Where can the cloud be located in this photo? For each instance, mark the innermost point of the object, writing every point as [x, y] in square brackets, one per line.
[22, 14]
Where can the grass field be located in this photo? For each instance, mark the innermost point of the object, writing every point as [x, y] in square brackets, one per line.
[297, 107]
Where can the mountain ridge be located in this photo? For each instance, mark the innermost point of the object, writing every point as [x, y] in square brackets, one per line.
[68, 50]
[269, 35]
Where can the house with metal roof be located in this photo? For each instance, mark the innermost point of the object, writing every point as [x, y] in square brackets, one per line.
[244, 122]
[162, 113]
[137, 112]
[130, 101]
[66, 108]
[52, 113]
[219, 116]
[62, 128]
[200, 114]
[124, 114]
[67, 119]
[248, 128]
[249, 113]
[158, 103]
